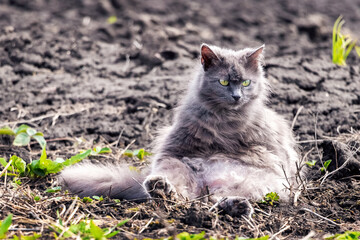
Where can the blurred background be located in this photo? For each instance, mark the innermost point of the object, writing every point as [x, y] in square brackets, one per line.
[114, 68]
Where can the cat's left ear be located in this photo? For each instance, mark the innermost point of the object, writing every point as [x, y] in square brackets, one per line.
[254, 58]
[208, 57]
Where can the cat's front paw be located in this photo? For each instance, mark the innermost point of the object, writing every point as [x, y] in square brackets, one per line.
[236, 206]
[159, 187]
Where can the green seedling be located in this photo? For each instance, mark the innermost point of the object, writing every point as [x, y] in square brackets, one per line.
[188, 236]
[86, 230]
[326, 165]
[23, 135]
[112, 19]
[36, 198]
[100, 150]
[53, 190]
[139, 153]
[17, 181]
[87, 200]
[28, 237]
[4, 226]
[101, 198]
[311, 163]
[45, 166]
[40, 167]
[341, 44]
[271, 198]
[348, 235]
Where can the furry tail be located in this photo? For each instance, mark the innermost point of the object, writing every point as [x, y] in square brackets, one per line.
[108, 180]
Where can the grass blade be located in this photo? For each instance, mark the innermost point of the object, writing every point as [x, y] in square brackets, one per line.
[5, 224]
[6, 131]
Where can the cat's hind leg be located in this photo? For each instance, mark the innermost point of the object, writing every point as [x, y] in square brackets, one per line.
[236, 206]
[159, 186]
[171, 177]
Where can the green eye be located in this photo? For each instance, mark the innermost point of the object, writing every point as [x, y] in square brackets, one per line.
[224, 82]
[246, 83]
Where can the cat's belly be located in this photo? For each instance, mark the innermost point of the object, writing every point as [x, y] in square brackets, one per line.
[230, 178]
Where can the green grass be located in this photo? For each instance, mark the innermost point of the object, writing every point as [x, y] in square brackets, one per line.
[23, 135]
[342, 44]
[348, 235]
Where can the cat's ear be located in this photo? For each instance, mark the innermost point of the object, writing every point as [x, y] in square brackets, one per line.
[208, 57]
[254, 58]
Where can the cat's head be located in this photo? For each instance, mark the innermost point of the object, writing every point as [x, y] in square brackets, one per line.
[231, 79]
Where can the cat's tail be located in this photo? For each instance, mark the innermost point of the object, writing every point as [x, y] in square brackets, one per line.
[107, 180]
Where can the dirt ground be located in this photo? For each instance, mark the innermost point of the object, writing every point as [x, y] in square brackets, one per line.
[66, 71]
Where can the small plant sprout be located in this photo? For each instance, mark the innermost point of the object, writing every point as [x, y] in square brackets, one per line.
[112, 19]
[4, 226]
[139, 153]
[100, 150]
[40, 167]
[311, 163]
[326, 165]
[53, 189]
[341, 44]
[348, 235]
[86, 230]
[23, 135]
[271, 198]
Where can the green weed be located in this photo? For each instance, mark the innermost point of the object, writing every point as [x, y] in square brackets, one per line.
[4, 226]
[23, 135]
[341, 44]
[271, 198]
[326, 165]
[99, 150]
[53, 189]
[112, 19]
[85, 230]
[40, 167]
[345, 236]
[311, 163]
[139, 153]
[28, 237]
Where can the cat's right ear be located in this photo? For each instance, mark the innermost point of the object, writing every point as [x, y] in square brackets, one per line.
[208, 57]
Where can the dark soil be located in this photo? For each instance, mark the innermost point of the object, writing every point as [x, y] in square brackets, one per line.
[67, 72]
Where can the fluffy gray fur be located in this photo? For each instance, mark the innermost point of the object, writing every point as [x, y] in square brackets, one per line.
[223, 138]
[114, 181]
[239, 148]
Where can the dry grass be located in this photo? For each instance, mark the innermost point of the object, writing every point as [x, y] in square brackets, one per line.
[325, 206]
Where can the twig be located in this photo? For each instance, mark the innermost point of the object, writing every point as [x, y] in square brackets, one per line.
[336, 170]
[248, 221]
[259, 210]
[147, 224]
[6, 167]
[127, 147]
[279, 232]
[116, 143]
[217, 204]
[322, 217]
[57, 114]
[296, 116]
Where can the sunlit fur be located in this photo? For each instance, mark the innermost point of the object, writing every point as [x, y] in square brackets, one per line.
[232, 148]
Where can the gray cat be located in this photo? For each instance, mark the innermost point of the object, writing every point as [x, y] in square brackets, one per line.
[224, 141]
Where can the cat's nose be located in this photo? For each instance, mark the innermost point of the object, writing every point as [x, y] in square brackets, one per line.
[236, 97]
